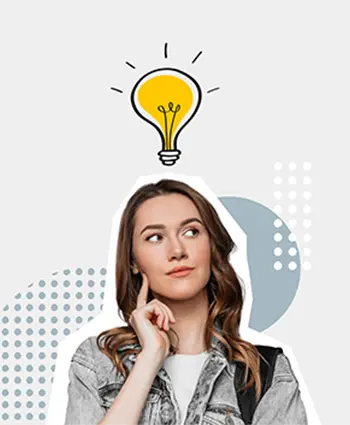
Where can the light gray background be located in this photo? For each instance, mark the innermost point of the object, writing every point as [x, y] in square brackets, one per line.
[71, 148]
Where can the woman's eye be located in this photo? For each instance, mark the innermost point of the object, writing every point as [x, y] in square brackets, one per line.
[152, 238]
[195, 231]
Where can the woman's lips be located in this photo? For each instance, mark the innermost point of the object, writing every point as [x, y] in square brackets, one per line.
[181, 273]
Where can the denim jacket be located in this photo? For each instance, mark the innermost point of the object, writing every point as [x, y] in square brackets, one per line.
[94, 383]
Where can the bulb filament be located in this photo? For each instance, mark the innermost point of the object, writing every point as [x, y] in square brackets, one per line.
[168, 132]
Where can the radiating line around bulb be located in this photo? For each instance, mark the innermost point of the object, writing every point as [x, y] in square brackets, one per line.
[216, 88]
[131, 65]
[118, 90]
[194, 60]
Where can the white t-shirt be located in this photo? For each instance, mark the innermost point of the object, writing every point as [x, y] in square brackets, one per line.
[184, 371]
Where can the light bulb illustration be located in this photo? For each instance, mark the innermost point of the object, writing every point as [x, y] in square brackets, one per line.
[168, 99]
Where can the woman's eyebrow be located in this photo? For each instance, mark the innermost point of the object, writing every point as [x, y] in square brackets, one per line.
[161, 226]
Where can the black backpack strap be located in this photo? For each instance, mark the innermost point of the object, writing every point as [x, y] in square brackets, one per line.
[246, 399]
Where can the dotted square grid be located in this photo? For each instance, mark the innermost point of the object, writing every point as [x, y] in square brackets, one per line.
[284, 180]
[31, 329]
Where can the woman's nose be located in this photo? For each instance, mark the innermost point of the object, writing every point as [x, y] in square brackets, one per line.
[177, 249]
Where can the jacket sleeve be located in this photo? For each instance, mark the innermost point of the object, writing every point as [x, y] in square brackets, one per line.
[83, 406]
[282, 403]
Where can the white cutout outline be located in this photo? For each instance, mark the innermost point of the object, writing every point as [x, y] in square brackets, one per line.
[108, 318]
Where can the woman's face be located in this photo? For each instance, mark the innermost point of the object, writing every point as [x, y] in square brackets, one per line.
[168, 233]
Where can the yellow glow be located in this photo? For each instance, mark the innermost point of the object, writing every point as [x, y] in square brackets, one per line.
[159, 91]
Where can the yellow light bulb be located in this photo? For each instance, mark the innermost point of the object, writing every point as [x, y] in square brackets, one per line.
[167, 98]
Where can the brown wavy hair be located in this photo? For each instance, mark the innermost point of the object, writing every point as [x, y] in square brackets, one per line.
[225, 294]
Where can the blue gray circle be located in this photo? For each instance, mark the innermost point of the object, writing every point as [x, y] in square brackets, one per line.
[273, 290]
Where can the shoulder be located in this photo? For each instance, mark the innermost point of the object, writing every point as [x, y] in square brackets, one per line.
[283, 370]
[282, 401]
[86, 351]
[89, 356]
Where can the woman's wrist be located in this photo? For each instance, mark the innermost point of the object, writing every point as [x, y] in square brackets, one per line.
[150, 359]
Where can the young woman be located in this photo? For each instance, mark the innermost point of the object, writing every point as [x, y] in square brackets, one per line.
[175, 361]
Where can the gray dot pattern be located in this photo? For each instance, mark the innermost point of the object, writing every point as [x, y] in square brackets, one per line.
[31, 329]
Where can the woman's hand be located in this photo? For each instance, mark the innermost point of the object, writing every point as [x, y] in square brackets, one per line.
[151, 323]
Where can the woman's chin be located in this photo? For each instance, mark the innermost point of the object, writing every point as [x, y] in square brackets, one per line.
[181, 292]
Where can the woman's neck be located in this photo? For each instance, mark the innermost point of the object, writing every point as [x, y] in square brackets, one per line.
[191, 317]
